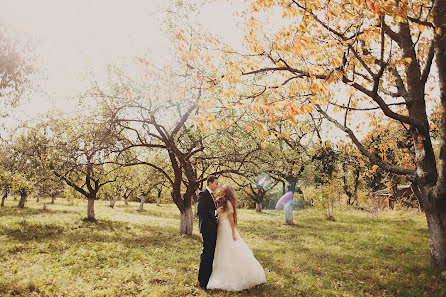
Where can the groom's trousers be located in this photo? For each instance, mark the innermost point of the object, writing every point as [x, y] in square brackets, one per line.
[207, 257]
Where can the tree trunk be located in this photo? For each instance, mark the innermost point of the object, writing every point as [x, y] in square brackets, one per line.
[4, 198]
[53, 199]
[196, 208]
[38, 198]
[292, 185]
[258, 206]
[435, 207]
[22, 200]
[113, 202]
[90, 210]
[141, 204]
[394, 186]
[436, 222]
[288, 211]
[355, 192]
[349, 198]
[186, 221]
[344, 179]
[158, 200]
[435, 210]
[126, 201]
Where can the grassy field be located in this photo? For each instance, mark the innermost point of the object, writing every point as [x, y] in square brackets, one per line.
[55, 252]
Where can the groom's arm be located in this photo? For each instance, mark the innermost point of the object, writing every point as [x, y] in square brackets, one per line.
[205, 208]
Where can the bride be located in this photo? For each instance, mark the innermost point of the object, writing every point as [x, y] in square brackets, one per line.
[234, 268]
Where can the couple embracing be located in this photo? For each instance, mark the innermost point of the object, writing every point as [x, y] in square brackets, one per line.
[226, 261]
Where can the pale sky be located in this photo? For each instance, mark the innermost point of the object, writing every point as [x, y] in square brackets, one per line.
[78, 36]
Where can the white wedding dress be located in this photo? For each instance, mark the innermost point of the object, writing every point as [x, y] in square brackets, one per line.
[234, 268]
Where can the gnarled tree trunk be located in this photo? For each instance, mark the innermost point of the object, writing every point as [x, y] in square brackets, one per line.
[113, 202]
[90, 210]
[345, 184]
[186, 214]
[196, 208]
[22, 200]
[436, 222]
[292, 184]
[435, 207]
[5, 195]
[158, 200]
[435, 210]
[186, 221]
[288, 211]
[141, 204]
[355, 192]
[258, 206]
[53, 199]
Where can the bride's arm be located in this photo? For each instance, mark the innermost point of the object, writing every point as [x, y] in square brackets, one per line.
[231, 219]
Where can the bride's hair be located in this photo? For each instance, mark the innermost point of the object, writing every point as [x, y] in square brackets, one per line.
[229, 193]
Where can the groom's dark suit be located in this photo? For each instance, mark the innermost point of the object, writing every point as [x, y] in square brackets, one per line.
[208, 228]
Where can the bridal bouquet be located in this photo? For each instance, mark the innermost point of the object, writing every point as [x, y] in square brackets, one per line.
[221, 201]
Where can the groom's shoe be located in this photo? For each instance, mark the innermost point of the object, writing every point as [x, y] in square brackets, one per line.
[203, 289]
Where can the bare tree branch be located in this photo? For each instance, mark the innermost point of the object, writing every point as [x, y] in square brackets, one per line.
[428, 65]
[372, 157]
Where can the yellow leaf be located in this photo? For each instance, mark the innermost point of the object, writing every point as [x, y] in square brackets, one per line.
[336, 62]
[407, 60]
[332, 78]
[262, 128]
[351, 92]
[400, 19]
[336, 10]
[202, 127]
[248, 128]
[332, 42]
[307, 108]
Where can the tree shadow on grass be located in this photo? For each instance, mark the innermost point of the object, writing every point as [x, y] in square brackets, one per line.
[102, 224]
[25, 230]
[140, 235]
[14, 211]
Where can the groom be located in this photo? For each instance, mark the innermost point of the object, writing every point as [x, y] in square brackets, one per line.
[207, 215]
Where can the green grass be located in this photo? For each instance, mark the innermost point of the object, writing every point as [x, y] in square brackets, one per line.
[128, 253]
